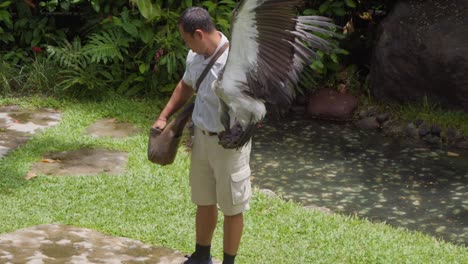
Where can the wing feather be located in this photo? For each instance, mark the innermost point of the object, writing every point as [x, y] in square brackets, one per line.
[269, 47]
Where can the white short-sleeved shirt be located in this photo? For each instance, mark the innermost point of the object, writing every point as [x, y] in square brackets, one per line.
[205, 114]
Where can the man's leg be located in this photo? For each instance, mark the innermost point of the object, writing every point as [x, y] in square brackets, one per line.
[205, 222]
[233, 225]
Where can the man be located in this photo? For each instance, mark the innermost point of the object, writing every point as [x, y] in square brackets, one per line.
[218, 176]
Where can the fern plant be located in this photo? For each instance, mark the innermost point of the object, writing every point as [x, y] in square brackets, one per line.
[94, 65]
[68, 54]
[107, 46]
[90, 76]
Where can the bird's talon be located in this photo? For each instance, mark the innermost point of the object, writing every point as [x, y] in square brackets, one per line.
[236, 137]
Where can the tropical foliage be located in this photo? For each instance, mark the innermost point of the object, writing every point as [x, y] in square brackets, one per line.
[128, 47]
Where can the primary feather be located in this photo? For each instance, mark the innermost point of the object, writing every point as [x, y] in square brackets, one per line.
[269, 47]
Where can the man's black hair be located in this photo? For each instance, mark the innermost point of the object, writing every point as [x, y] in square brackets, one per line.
[194, 18]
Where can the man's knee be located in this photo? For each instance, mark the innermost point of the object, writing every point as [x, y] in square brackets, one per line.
[238, 215]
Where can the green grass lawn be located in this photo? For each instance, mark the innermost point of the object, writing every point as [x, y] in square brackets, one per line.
[152, 203]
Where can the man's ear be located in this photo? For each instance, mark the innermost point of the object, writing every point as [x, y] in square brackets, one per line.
[198, 34]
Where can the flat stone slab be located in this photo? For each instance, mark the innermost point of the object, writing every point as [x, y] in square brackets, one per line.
[82, 162]
[17, 126]
[112, 128]
[55, 243]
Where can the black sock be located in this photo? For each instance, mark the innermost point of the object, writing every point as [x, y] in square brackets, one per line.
[228, 259]
[202, 252]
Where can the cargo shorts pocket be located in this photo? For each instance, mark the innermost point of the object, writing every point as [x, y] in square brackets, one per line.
[240, 186]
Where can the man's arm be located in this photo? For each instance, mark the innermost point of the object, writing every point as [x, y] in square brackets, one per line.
[179, 97]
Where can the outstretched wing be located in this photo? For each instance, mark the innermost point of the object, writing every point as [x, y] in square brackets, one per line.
[269, 47]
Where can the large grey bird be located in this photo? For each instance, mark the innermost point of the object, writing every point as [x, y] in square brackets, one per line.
[269, 47]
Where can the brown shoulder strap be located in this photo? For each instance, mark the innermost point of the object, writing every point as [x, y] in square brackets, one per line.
[210, 64]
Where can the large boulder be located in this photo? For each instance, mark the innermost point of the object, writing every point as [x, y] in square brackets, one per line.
[422, 50]
[329, 104]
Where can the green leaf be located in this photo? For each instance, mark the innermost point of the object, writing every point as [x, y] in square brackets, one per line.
[5, 4]
[135, 89]
[148, 10]
[37, 33]
[337, 4]
[35, 41]
[107, 75]
[228, 2]
[95, 5]
[167, 88]
[138, 23]
[65, 6]
[125, 84]
[143, 68]
[27, 37]
[223, 23]
[350, 3]
[169, 66]
[146, 35]
[163, 60]
[139, 79]
[309, 12]
[4, 14]
[209, 5]
[317, 65]
[21, 23]
[124, 14]
[342, 51]
[334, 58]
[106, 46]
[339, 12]
[130, 29]
[320, 53]
[52, 5]
[115, 20]
[333, 66]
[188, 3]
[324, 7]
[6, 18]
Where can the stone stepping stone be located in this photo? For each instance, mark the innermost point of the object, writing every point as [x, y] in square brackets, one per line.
[82, 162]
[54, 243]
[17, 126]
[112, 128]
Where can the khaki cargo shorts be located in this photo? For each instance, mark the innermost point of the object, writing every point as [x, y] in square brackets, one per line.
[220, 176]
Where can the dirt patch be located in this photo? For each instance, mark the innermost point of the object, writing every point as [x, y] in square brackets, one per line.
[112, 128]
[82, 162]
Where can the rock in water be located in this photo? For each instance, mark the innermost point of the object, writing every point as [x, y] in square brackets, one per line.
[422, 51]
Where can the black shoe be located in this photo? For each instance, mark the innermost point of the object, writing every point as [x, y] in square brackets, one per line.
[191, 260]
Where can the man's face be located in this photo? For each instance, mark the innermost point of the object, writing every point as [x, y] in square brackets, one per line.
[194, 42]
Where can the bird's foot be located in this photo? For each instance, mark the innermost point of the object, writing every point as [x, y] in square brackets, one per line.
[236, 137]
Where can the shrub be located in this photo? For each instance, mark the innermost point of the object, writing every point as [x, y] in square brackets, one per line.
[130, 47]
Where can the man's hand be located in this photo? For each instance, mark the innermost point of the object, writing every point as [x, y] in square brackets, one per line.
[179, 97]
[160, 123]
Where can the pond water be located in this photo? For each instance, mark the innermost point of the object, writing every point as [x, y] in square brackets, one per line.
[355, 172]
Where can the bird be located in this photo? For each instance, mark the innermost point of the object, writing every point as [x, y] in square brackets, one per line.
[269, 47]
